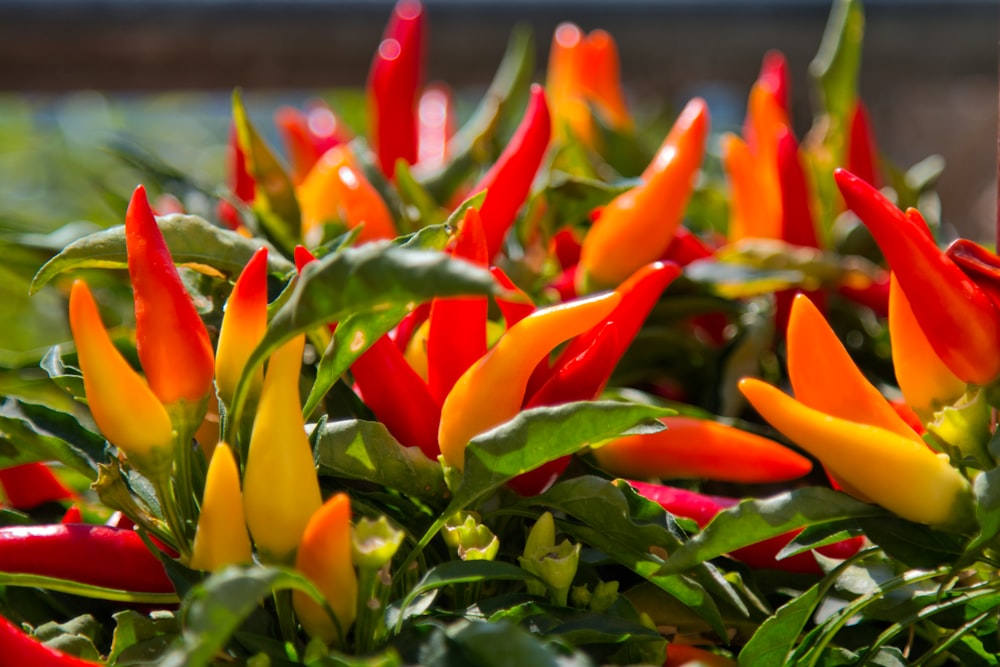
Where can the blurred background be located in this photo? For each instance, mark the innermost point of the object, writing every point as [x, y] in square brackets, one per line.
[78, 75]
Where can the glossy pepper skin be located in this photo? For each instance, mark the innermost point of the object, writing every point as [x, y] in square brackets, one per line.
[221, 538]
[171, 340]
[959, 319]
[139, 426]
[394, 81]
[243, 325]
[280, 487]
[29, 485]
[694, 448]
[324, 556]
[636, 227]
[491, 390]
[901, 475]
[19, 650]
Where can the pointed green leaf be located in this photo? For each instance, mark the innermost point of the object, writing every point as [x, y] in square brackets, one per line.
[835, 68]
[25, 437]
[85, 590]
[775, 639]
[139, 639]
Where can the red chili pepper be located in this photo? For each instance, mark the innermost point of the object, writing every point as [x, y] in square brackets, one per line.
[862, 155]
[394, 81]
[875, 295]
[308, 135]
[30, 484]
[241, 183]
[981, 265]
[408, 326]
[456, 334]
[72, 515]
[686, 247]
[685, 655]
[96, 555]
[797, 225]
[565, 247]
[702, 509]
[509, 180]
[19, 650]
[512, 311]
[959, 319]
[774, 78]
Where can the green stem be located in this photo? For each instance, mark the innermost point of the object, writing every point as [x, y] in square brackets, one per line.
[369, 628]
[163, 485]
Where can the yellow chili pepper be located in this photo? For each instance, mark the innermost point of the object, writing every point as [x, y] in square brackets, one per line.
[280, 487]
[637, 226]
[324, 557]
[124, 407]
[243, 326]
[491, 391]
[926, 382]
[222, 537]
[903, 476]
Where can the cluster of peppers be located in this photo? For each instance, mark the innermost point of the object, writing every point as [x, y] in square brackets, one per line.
[448, 372]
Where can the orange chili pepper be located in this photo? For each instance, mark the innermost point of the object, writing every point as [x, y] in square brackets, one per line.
[243, 326]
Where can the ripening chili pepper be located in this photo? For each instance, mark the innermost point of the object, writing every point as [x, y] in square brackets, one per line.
[700, 448]
[280, 487]
[96, 555]
[901, 475]
[862, 155]
[243, 324]
[601, 80]
[685, 655]
[774, 78]
[981, 265]
[19, 650]
[686, 247]
[456, 329]
[394, 81]
[797, 224]
[336, 189]
[308, 135]
[72, 515]
[29, 485]
[241, 183]
[754, 198]
[221, 538]
[435, 126]
[513, 311]
[508, 181]
[171, 340]
[926, 382]
[409, 325]
[139, 424]
[491, 390]
[959, 319]
[636, 227]
[324, 556]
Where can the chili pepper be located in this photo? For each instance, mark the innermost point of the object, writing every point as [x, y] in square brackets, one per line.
[754, 199]
[324, 556]
[926, 382]
[280, 487]
[797, 225]
[456, 330]
[241, 183]
[72, 515]
[512, 311]
[508, 181]
[308, 135]
[336, 189]
[222, 537]
[686, 247]
[29, 485]
[435, 126]
[959, 319]
[601, 80]
[409, 325]
[171, 340]
[19, 650]
[901, 475]
[685, 655]
[565, 247]
[874, 295]
[981, 265]
[126, 410]
[774, 78]
[96, 555]
[243, 325]
[491, 390]
[862, 155]
[636, 227]
[394, 81]
[701, 448]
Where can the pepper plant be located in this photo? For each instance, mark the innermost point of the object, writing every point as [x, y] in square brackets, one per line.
[525, 386]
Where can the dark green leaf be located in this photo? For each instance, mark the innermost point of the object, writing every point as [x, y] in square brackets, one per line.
[835, 68]
[22, 440]
[74, 637]
[570, 199]
[366, 451]
[499, 645]
[774, 640]
[914, 544]
[140, 639]
[986, 486]
[191, 240]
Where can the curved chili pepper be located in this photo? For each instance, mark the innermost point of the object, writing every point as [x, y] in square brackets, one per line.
[701, 448]
[29, 485]
[959, 319]
[686, 247]
[862, 155]
[171, 339]
[394, 80]
[409, 325]
[981, 265]
[491, 390]
[126, 410]
[508, 181]
[19, 650]
[308, 135]
[280, 487]
[797, 224]
[926, 382]
[565, 247]
[512, 311]
[901, 475]
[243, 326]
[221, 538]
[96, 555]
[324, 556]
[636, 227]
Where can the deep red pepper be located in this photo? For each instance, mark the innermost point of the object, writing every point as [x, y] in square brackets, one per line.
[565, 247]
[797, 225]
[72, 515]
[19, 650]
[981, 265]
[407, 326]
[775, 78]
[394, 82]
[862, 155]
[30, 484]
[565, 284]
[96, 555]
[512, 311]
[241, 183]
[509, 180]
[686, 247]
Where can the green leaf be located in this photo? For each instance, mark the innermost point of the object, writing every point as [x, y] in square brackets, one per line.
[191, 240]
[274, 199]
[365, 450]
[24, 438]
[774, 640]
[498, 645]
[754, 520]
[74, 637]
[835, 68]
[84, 590]
[212, 611]
[569, 199]
[986, 487]
[140, 639]
[914, 544]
